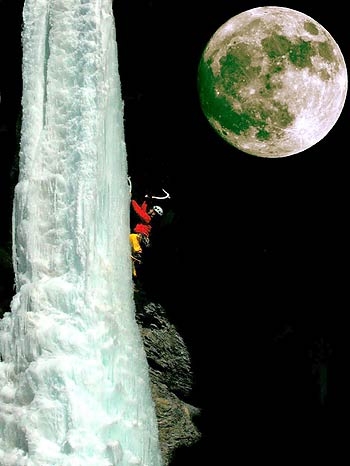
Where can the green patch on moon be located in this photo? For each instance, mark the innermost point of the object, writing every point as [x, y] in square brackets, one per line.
[217, 105]
[260, 76]
[301, 53]
[276, 46]
[311, 28]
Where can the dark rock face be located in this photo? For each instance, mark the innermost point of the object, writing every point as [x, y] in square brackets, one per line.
[171, 377]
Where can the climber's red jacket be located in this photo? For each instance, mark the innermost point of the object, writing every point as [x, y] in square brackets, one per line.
[144, 226]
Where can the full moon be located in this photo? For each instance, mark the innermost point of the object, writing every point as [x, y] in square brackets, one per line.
[272, 82]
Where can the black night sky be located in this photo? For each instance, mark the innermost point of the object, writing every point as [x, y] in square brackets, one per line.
[251, 257]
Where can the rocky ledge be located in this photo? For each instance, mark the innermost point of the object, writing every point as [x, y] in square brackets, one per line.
[171, 377]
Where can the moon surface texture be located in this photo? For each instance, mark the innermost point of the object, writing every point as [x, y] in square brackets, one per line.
[272, 82]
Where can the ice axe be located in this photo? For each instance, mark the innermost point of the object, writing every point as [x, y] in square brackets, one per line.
[166, 195]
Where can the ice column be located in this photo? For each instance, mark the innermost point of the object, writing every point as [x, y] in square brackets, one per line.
[74, 383]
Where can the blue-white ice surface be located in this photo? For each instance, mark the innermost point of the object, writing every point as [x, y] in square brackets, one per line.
[74, 383]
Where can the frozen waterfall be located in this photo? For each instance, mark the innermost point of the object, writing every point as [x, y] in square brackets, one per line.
[74, 383]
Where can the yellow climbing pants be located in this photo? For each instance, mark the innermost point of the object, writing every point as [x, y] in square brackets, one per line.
[135, 243]
[136, 248]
